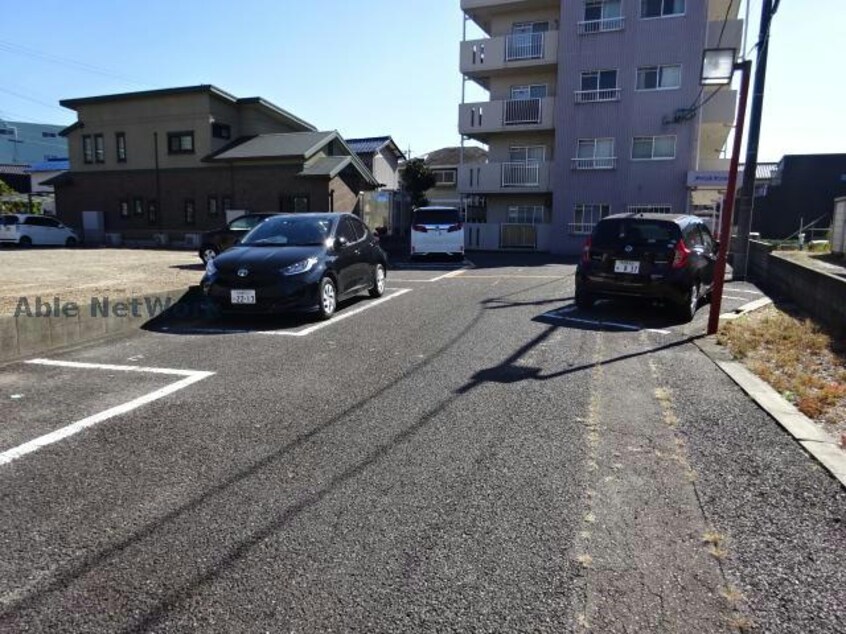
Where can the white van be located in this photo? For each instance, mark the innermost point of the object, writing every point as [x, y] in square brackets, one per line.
[29, 229]
[437, 230]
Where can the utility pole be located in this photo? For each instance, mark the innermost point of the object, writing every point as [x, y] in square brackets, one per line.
[747, 192]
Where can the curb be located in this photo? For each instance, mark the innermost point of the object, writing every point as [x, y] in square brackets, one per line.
[24, 336]
[814, 440]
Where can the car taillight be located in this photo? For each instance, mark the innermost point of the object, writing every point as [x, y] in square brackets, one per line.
[420, 228]
[455, 227]
[586, 251]
[682, 253]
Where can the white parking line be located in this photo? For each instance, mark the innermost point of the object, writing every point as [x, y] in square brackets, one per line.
[191, 376]
[743, 290]
[560, 315]
[446, 275]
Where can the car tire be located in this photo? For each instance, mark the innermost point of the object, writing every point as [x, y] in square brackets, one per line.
[208, 253]
[584, 300]
[70, 243]
[687, 309]
[327, 298]
[379, 281]
[25, 241]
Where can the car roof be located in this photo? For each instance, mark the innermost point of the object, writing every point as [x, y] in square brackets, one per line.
[677, 218]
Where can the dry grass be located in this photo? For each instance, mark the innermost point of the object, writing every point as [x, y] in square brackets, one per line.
[796, 357]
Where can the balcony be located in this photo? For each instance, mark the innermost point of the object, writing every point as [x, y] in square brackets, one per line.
[478, 120]
[595, 163]
[483, 12]
[720, 109]
[603, 25]
[508, 54]
[594, 96]
[510, 177]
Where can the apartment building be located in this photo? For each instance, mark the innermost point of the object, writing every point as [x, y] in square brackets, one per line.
[167, 164]
[592, 109]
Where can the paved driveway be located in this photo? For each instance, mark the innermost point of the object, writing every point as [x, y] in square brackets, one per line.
[471, 453]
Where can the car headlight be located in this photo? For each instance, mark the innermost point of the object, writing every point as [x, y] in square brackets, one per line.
[300, 267]
[211, 268]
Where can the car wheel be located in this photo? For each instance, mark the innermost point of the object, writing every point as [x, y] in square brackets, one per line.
[327, 298]
[687, 310]
[25, 241]
[378, 288]
[584, 300]
[207, 254]
[70, 242]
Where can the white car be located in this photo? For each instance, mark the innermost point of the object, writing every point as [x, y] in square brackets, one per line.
[437, 231]
[30, 229]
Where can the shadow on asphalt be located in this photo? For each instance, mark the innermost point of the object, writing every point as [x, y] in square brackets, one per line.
[615, 315]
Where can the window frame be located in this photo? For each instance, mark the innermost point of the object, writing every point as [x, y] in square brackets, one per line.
[603, 209]
[124, 208]
[663, 15]
[219, 127]
[180, 135]
[137, 206]
[99, 148]
[659, 68]
[535, 215]
[444, 182]
[528, 88]
[120, 147]
[189, 210]
[87, 149]
[152, 211]
[212, 210]
[654, 138]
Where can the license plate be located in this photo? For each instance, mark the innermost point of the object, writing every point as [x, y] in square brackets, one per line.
[627, 266]
[243, 297]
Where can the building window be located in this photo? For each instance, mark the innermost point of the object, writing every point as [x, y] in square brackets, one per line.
[527, 153]
[659, 77]
[444, 178]
[585, 217]
[190, 212]
[180, 142]
[99, 149]
[528, 214]
[598, 85]
[138, 206]
[595, 154]
[525, 41]
[661, 8]
[123, 205]
[654, 148]
[87, 148]
[531, 91]
[221, 131]
[152, 212]
[120, 147]
[212, 208]
[299, 203]
[601, 15]
[650, 209]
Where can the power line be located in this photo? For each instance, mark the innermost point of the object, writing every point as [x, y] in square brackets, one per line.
[32, 99]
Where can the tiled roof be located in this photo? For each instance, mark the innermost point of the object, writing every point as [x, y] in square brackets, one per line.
[327, 166]
[290, 144]
[451, 156]
[371, 145]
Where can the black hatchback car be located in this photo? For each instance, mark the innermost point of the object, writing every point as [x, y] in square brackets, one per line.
[655, 256]
[292, 262]
[217, 241]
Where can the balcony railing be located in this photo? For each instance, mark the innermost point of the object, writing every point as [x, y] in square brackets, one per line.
[595, 163]
[587, 27]
[521, 174]
[592, 96]
[521, 111]
[523, 46]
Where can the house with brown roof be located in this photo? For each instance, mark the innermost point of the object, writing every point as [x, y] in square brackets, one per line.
[382, 157]
[168, 164]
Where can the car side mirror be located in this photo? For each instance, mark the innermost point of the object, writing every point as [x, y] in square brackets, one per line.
[340, 243]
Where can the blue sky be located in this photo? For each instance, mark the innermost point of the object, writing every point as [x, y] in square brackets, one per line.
[364, 68]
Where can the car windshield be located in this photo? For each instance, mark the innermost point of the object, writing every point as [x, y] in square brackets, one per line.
[436, 217]
[290, 231]
[8, 220]
[612, 232]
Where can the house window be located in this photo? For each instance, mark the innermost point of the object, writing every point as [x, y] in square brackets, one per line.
[120, 147]
[601, 15]
[123, 205]
[650, 209]
[586, 215]
[180, 142]
[190, 212]
[138, 206]
[87, 148]
[99, 149]
[528, 214]
[593, 154]
[661, 8]
[444, 178]
[654, 148]
[659, 77]
[299, 204]
[212, 208]
[598, 85]
[221, 131]
[152, 212]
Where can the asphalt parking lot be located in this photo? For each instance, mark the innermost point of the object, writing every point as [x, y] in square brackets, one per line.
[470, 452]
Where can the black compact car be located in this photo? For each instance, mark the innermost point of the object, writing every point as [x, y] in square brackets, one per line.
[295, 262]
[654, 256]
[217, 241]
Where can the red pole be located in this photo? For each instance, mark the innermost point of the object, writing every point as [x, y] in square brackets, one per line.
[728, 207]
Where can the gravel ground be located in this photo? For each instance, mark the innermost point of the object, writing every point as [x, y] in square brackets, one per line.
[78, 274]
